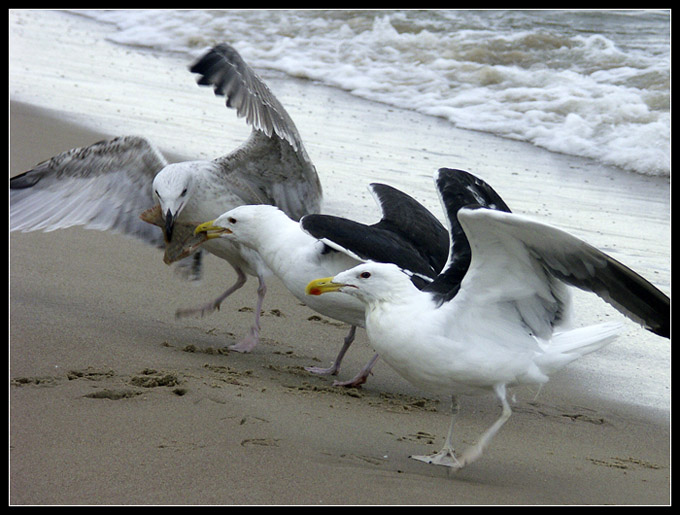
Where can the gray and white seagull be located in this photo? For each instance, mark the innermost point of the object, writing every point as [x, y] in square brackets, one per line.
[107, 185]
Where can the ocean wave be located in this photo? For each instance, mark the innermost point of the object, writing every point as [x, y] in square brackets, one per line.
[592, 84]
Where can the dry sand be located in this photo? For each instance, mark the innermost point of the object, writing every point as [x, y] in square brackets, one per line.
[114, 401]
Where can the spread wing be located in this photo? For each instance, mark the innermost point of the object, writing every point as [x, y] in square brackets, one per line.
[273, 164]
[104, 186]
[223, 68]
[521, 267]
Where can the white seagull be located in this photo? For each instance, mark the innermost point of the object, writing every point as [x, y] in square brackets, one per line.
[407, 234]
[496, 316]
[106, 186]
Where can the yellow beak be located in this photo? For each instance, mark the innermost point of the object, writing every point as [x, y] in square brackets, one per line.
[211, 231]
[320, 286]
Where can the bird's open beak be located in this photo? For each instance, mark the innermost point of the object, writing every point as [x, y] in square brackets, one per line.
[211, 231]
[320, 286]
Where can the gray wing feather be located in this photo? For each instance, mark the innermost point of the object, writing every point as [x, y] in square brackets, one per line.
[272, 166]
[224, 69]
[104, 186]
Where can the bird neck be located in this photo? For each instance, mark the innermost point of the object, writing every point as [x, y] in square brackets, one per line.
[279, 239]
[402, 294]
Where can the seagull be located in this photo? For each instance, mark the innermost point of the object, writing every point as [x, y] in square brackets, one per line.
[106, 186]
[498, 315]
[407, 234]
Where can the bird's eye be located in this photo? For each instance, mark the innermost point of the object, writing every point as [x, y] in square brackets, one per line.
[157, 194]
[232, 220]
[365, 275]
[184, 192]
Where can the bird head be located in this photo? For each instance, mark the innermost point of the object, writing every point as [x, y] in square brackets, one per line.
[173, 187]
[370, 282]
[243, 224]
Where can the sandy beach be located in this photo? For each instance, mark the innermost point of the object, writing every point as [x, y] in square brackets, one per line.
[114, 401]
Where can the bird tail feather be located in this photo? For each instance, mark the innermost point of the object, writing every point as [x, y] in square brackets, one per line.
[570, 345]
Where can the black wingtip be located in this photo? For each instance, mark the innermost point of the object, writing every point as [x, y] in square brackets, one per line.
[24, 180]
[664, 330]
[660, 322]
[460, 189]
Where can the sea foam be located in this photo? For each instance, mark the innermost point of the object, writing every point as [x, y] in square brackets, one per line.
[591, 84]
